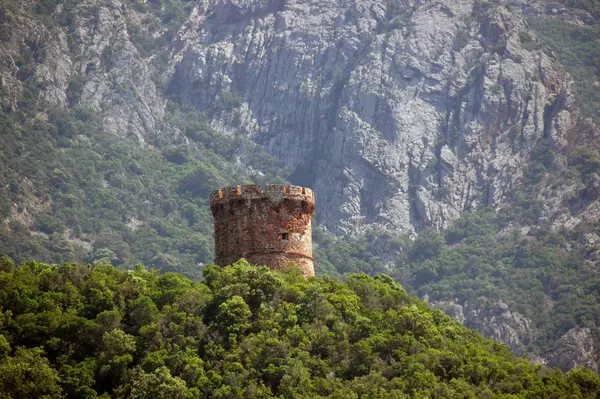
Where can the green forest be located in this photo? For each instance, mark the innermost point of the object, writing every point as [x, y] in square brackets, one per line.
[72, 192]
[98, 197]
[86, 331]
[479, 259]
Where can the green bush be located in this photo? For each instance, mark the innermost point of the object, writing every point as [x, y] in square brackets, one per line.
[586, 160]
[202, 181]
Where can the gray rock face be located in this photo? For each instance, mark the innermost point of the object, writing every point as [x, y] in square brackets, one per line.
[501, 324]
[495, 321]
[400, 116]
[17, 31]
[99, 68]
[578, 347]
[451, 308]
[118, 81]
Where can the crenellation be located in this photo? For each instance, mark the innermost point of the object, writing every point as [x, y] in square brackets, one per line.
[273, 192]
[265, 224]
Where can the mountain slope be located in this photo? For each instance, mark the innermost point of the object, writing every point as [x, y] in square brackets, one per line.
[402, 115]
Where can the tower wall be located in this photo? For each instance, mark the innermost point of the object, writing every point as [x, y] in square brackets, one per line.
[267, 225]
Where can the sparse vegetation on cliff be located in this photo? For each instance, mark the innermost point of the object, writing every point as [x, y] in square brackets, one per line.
[578, 50]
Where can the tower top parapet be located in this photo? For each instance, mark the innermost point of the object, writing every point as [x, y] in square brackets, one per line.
[274, 192]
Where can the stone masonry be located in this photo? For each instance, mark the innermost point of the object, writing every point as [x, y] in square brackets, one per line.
[266, 225]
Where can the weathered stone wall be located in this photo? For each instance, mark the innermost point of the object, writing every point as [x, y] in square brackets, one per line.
[267, 225]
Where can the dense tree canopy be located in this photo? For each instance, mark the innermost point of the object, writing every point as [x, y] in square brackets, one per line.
[83, 331]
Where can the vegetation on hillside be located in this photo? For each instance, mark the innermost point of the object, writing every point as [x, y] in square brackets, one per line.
[81, 195]
[536, 274]
[82, 331]
[73, 192]
[511, 255]
[591, 6]
[482, 259]
[577, 48]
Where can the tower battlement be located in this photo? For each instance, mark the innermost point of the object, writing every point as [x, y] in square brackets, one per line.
[274, 192]
[265, 224]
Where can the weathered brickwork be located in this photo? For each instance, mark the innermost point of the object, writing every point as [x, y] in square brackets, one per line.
[267, 225]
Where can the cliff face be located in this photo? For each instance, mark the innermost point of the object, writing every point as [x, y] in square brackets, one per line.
[400, 115]
[90, 61]
[495, 321]
[578, 347]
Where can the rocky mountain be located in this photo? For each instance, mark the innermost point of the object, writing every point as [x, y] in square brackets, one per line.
[90, 60]
[401, 115]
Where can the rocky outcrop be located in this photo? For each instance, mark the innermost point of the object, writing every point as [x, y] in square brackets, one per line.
[118, 80]
[498, 322]
[400, 115]
[578, 347]
[495, 321]
[451, 308]
[91, 62]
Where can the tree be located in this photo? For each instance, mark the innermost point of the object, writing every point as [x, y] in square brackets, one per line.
[4, 347]
[28, 375]
[6, 264]
[159, 384]
[142, 311]
[116, 354]
[428, 244]
[585, 380]
[233, 315]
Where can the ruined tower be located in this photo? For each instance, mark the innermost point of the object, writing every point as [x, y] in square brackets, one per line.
[267, 225]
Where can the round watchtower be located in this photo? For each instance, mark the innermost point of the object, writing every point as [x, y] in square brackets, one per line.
[267, 225]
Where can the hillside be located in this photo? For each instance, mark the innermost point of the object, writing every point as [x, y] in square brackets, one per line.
[245, 332]
[463, 97]
[451, 144]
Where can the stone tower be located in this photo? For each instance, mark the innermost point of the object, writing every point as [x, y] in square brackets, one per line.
[267, 225]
